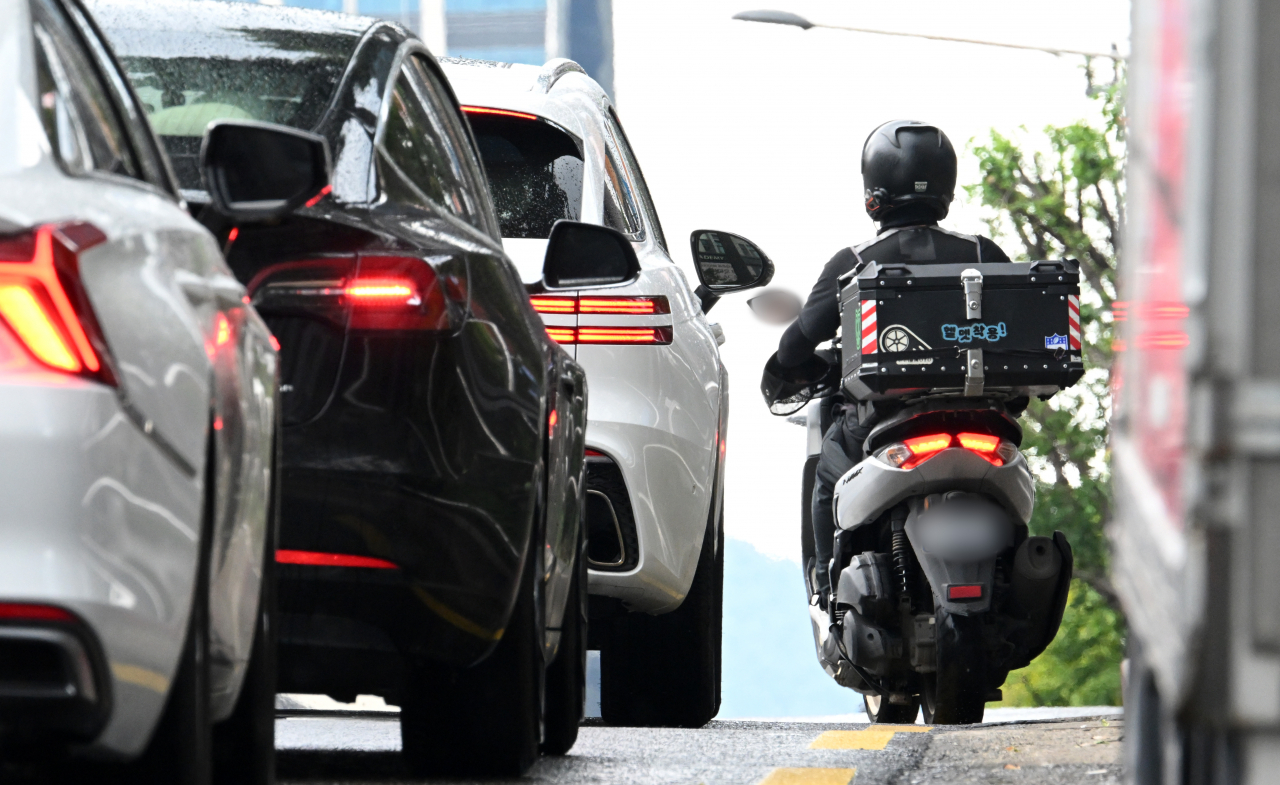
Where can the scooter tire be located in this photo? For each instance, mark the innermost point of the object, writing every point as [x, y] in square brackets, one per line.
[880, 710]
[955, 694]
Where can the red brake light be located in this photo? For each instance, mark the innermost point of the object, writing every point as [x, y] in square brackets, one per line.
[317, 559]
[501, 112]
[364, 291]
[925, 447]
[43, 302]
[22, 610]
[624, 305]
[624, 335]
[983, 444]
[554, 304]
[561, 334]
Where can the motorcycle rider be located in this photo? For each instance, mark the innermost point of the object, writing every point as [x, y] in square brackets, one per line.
[909, 177]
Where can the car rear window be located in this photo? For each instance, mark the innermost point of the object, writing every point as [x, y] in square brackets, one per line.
[535, 173]
[186, 79]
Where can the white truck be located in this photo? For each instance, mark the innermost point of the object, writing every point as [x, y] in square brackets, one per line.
[1196, 449]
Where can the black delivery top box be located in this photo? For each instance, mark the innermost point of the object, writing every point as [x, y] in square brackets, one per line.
[963, 327]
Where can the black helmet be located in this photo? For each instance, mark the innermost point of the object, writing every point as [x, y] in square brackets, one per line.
[907, 162]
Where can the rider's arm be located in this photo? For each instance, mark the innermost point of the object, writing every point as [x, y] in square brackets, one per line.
[820, 318]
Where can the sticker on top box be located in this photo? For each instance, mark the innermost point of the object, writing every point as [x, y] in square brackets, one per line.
[974, 332]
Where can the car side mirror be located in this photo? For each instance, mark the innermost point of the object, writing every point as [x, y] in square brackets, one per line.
[583, 255]
[726, 262]
[257, 171]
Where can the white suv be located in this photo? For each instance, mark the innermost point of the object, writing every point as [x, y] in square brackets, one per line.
[554, 150]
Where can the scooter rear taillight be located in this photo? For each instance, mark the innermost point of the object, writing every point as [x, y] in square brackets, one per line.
[51, 324]
[910, 453]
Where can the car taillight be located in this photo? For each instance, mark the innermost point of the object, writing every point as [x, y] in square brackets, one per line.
[44, 305]
[654, 336]
[910, 453]
[365, 292]
[633, 306]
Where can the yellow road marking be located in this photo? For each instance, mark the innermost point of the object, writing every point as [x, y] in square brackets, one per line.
[809, 777]
[873, 738]
[141, 677]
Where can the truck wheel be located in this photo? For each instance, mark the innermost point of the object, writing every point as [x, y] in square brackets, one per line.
[244, 751]
[567, 676]
[956, 693]
[879, 709]
[664, 671]
[485, 720]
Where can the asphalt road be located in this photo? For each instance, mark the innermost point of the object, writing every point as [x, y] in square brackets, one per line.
[338, 748]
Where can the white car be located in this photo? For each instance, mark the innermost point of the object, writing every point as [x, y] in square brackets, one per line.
[553, 150]
[137, 432]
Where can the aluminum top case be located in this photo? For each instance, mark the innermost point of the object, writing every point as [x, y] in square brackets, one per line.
[968, 329]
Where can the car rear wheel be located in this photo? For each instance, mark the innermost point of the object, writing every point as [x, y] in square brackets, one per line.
[485, 720]
[567, 676]
[245, 743]
[664, 671]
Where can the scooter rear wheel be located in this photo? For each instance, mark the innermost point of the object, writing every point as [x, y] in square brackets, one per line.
[880, 710]
[956, 693]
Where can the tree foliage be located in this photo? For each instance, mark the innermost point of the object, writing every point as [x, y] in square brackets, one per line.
[1061, 195]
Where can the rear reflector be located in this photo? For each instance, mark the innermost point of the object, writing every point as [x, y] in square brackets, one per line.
[43, 301]
[15, 610]
[971, 592]
[316, 559]
[594, 453]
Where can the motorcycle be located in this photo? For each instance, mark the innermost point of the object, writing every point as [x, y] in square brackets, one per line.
[937, 588]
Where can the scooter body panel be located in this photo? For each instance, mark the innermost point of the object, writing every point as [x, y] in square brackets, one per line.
[872, 487]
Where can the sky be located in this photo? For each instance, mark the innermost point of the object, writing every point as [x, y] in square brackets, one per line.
[758, 129]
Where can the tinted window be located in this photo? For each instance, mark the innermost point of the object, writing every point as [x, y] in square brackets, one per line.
[188, 78]
[79, 117]
[619, 205]
[642, 189]
[534, 170]
[423, 155]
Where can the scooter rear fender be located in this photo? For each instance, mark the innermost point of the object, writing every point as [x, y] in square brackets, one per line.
[872, 487]
[957, 539]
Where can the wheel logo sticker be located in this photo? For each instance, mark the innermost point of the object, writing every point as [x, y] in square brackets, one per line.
[898, 338]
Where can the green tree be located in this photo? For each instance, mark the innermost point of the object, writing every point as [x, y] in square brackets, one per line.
[1061, 195]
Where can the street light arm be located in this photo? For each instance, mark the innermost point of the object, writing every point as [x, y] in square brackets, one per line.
[794, 20]
[775, 18]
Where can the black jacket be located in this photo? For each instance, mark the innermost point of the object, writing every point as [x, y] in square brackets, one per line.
[917, 243]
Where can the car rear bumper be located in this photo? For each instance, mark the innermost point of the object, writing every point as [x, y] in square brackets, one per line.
[443, 593]
[99, 522]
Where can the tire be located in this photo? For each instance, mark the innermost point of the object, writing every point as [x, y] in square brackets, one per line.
[664, 671]
[567, 676]
[879, 710]
[956, 693]
[244, 751]
[485, 720]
